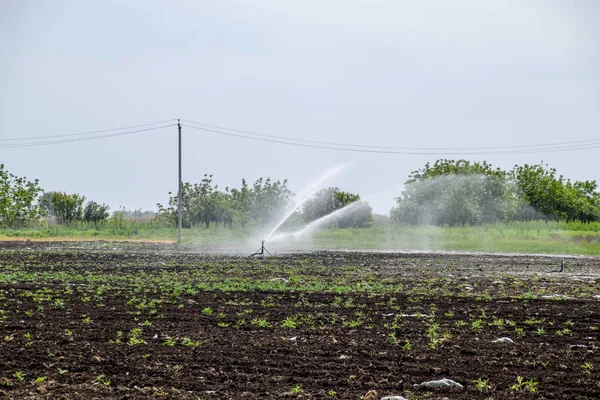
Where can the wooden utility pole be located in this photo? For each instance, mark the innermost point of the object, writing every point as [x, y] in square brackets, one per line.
[180, 187]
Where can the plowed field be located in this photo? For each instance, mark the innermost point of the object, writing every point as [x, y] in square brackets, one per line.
[103, 320]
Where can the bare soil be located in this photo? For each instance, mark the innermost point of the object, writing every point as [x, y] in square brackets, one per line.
[68, 313]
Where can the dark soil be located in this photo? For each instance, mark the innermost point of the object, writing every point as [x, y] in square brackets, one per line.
[147, 321]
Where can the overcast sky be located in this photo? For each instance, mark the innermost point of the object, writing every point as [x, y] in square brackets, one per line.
[383, 73]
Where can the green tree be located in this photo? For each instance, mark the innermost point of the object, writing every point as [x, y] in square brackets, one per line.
[451, 192]
[95, 212]
[204, 203]
[67, 208]
[18, 200]
[330, 199]
[200, 204]
[556, 197]
[269, 200]
[461, 192]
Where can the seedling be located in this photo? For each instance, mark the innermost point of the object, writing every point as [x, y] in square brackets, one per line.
[262, 322]
[103, 380]
[482, 384]
[477, 324]
[297, 389]
[186, 341]
[289, 322]
[391, 338]
[587, 367]
[530, 385]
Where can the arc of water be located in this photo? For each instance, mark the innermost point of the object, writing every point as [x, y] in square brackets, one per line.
[335, 214]
[308, 192]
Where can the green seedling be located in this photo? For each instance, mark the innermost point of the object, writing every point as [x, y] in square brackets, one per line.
[482, 384]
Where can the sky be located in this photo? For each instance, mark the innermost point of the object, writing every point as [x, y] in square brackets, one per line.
[426, 74]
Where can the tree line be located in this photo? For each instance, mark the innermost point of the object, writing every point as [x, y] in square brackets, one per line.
[24, 203]
[460, 192]
[445, 193]
[259, 204]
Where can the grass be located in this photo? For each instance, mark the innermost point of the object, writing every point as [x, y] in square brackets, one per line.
[518, 237]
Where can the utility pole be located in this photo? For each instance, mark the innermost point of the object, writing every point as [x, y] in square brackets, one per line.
[180, 187]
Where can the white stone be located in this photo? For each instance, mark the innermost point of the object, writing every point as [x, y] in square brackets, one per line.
[394, 398]
[503, 340]
[442, 383]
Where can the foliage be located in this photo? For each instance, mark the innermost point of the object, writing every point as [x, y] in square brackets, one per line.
[94, 212]
[18, 200]
[67, 208]
[205, 204]
[330, 199]
[556, 197]
[452, 193]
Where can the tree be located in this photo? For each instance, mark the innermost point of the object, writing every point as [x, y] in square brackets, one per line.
[269, 200]
[18, 200]
[330, 199]
[461, 192]
[205, 204]
[67, 208]
[94, 212]
[456, 193]
[557, 197]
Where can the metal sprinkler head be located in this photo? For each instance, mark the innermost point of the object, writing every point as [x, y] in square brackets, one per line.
[261, 252]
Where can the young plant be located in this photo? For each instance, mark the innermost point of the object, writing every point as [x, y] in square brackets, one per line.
[289, 322]
[262, 322]
[103, 380]
[587, 367]
[482, 384]
[477, 324]
[297, 389]
[391, 338]
[186, 341]
[19, 376]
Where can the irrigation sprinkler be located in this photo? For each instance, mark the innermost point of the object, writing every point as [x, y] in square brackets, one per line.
[261, 252]
[562, 267]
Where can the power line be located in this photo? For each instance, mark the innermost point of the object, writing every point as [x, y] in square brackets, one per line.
[86, 133]
[522, 149]
[407, 151]
[50, 142]
[387, 148]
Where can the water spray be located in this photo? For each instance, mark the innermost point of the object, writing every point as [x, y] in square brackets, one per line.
[308, 193]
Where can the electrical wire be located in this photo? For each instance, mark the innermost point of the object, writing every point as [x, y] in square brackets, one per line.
[407, 151]
[363, 146]
[523, 149]
[51, 142]
[86, 133]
